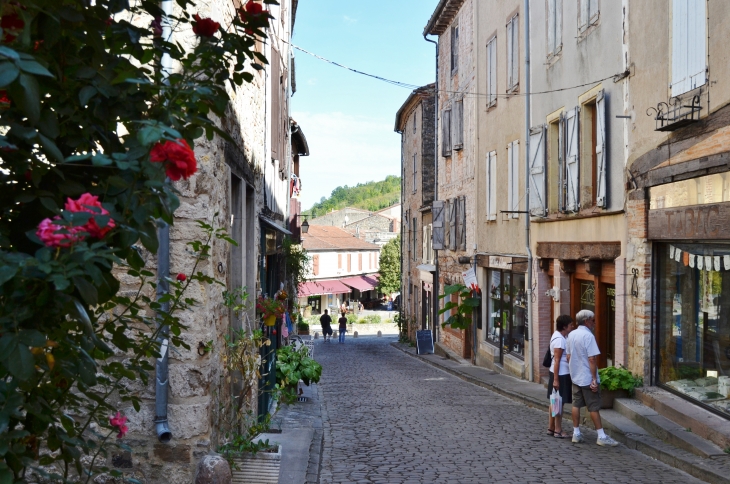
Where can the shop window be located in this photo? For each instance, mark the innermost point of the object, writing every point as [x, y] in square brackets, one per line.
[506, 312]
[693, 322]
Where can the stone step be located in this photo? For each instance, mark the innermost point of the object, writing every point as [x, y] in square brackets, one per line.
[666, 430]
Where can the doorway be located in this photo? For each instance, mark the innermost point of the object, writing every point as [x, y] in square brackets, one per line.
[597, 293]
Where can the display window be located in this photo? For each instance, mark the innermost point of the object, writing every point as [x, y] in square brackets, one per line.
[693, 322]
[506, 312]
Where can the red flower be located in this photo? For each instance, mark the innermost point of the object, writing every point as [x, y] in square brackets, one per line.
[156, 27]
[205, 27]
[254, 8]
[54, 235]
[12, 25]
[178, 157]
[119, 423]
[4, 99]
[253, 12]
[108, 22]
[181, 277]
[37, 44]
[90, 203]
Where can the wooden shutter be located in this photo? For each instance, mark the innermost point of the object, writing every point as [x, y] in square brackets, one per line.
[446, 133]
[513, 195]
[509, 55]
[339, 261]
[558, 25]
[437, 209]
[551, 20]
[414, 235]
[452, 224]
[593, 10]
[572, 160]
[492, 72]
[492, 185]
[462, 222]
[275, 105]
[601, 159]
[696, 47]
[561, 163]
[680, 77]
[349, 262]
[457, 222]
[424, 247]
[584, 15]
[538, 199]
[454, 48]
[515, 51]
[359, 261]
[458, 125]
[315, 264]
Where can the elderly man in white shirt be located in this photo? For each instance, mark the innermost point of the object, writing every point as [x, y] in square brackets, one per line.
[582, 351]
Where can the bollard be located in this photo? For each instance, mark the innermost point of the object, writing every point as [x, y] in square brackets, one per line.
[354, 335]
[316, 335]
[380, 333]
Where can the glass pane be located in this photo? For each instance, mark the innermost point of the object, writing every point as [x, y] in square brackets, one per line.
[696, 191]
[506, 311]
[610, 324]
[588, 295]
[519, 308]
[494, 307]
[694, 321]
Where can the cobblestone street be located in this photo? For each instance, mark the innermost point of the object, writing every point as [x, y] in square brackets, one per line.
[389, 418]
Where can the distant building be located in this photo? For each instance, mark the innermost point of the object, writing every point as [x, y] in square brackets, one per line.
[343, 268]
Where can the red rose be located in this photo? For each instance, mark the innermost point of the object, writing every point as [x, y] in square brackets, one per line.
[181, 277]
[90, 203]
[205, 27]
[178, 158]
[156, 27]
[119, 423]
[4, 99]
[12, 25]
[254, 8]
[54, 235]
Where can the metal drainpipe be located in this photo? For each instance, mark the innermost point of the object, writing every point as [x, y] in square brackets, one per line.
[163, 271]
[435, 288]
[527, 188]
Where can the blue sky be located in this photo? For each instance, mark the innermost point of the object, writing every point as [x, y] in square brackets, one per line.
[348, 118]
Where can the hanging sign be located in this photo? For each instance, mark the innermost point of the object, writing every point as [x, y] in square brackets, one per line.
[470, 279]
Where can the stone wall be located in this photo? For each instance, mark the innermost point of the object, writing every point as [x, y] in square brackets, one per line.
[337, 218]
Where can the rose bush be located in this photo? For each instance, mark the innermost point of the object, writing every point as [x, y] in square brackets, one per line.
[92, 132]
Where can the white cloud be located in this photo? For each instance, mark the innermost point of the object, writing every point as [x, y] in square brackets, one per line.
[345, 150]
[312, 81]
[349, 20]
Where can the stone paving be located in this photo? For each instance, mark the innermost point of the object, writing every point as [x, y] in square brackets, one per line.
[389, 418]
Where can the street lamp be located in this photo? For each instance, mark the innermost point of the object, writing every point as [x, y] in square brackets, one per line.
[305, 226]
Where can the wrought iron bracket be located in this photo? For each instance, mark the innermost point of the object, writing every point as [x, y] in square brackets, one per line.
[675, 114]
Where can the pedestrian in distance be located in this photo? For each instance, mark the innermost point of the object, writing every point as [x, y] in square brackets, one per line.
[326, 321]
[582, 351]
[560, 383]
[343, 327]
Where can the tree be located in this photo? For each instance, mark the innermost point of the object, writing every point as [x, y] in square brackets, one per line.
[390, 267]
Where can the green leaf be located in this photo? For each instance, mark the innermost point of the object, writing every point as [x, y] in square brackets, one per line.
[149, 135]
[6, 476]
[32, 338]
[7, 273]
[8, 73]
[29, 95]
[9, 53]
[20, 363]
[51, 147]
[49, 124]
[33, 67]
[87, 291]
[87, 93]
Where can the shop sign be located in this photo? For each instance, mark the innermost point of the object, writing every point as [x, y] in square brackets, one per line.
[692, 222]
[500, 262]
[470, 278]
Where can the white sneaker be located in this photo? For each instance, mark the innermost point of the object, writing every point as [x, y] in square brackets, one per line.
[577, 439]
[606, 441]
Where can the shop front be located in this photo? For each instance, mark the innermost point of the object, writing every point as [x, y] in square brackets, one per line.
[503, 323]
[689, 226]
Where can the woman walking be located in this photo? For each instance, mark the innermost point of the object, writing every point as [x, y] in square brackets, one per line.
[560, 383]
[343, 327]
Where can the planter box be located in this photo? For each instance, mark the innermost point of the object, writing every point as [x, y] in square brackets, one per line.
[608, 396]
[302, 331]
[261, 467]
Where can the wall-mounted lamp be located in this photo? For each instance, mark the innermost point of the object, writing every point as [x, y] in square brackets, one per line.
[305, 224]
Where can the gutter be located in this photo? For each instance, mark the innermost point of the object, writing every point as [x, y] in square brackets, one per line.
[162, 429]
[435, 291]
[531, 369]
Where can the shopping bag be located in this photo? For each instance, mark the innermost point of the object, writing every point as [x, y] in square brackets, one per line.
[556, 403]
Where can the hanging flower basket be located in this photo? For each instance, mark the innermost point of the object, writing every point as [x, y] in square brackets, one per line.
[270, 321]
[269, 309]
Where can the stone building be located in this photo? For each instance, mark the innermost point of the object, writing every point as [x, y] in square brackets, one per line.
[415, 122]
[501, 329]
[454, 208]
[678, 248]
[243, 187]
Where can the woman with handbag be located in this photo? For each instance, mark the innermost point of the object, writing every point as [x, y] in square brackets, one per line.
[560, 383]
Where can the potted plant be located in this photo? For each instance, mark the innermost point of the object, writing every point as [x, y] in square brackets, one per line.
[292, 366]
[617, 382]
[269, 309]
[302, 327]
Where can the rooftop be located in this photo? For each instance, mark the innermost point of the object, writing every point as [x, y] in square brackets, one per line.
[326, 237]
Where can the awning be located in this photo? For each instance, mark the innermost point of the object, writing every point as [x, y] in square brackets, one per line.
[274, 225]
[313, 288]
[361, 283]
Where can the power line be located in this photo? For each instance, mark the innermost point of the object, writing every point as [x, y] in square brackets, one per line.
[464, 93]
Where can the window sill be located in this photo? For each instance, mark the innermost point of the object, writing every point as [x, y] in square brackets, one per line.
[558, 217]
[514, 89]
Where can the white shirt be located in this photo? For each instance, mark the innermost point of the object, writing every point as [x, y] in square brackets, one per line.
[557, 341]
[581, 345]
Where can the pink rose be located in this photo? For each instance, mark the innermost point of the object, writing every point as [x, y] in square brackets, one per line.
[54, 235]
[90, 203]
[119, 423]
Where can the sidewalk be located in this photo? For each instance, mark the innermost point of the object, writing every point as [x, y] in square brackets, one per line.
[715, 469]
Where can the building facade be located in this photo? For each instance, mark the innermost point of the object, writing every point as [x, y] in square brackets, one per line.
[453, 210]
[415, 122]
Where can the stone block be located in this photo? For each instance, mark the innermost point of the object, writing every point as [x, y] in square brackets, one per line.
[177, 453]
[189, 380]
[213, 469]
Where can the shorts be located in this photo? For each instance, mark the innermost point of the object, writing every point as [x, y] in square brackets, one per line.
[585, 397]
[566, 387]
[327, 330]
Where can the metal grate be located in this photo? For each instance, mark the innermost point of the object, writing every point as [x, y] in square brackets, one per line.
[676, 113]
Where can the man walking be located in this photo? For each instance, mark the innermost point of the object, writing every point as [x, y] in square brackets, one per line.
[582, 351]
[326, 321]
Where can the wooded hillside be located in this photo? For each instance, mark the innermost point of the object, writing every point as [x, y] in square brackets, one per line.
[371, 196]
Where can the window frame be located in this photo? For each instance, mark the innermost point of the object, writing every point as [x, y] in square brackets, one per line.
[492, 71]
[513, 54]
[555, 17]
[454, 55]
[688, 48]
[590, 17]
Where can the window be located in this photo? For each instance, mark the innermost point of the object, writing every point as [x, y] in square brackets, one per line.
[414, 235]
[446, 133]
[359, 261]
[513, 53]
[414, 173]
[339, 261]
[492, 185]
[538, 204]
[492, 72]
[688, 45]
[507, 311]
[588, 13]
[593, 160]
[569, 173]
[454, 49]
[554, 26]
[513, 178]
[349, 262]
[315, 265]
[427, 246]
[414, 121]
[458, 125]
[554, 150]
[437, 229]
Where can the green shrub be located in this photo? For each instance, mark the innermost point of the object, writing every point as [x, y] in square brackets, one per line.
[361, 321]
[373, 319]
[613, 378]
[351, 318]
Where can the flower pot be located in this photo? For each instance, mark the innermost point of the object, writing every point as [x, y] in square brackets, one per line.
[261, 467]
[608, 396]
[270, 320]
[302, 331]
